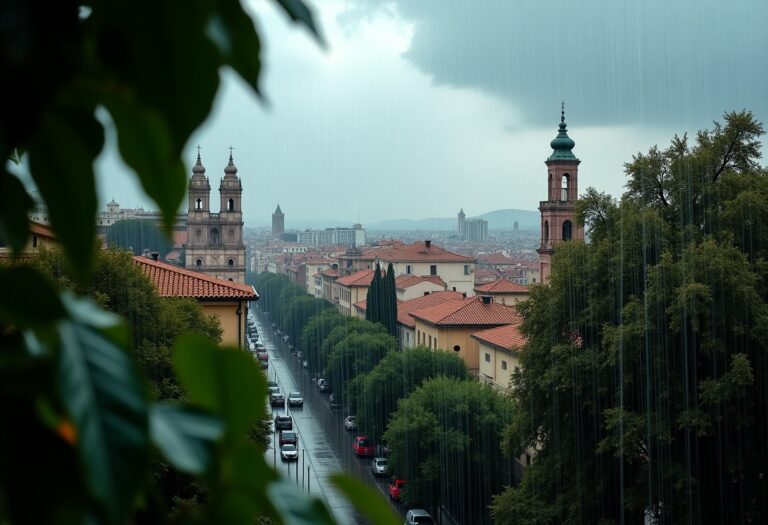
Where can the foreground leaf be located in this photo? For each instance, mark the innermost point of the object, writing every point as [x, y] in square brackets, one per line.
[296, 507]
[14, 205]
[27, 300]
[233, 32]
[226, 381]
[365, 499]
[299, 12]
[185, 437]
[101, 391]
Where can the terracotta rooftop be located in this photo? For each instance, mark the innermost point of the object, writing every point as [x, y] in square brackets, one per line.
[172, 281]
[329, 272]
[41, 230]
[415, 252]
[506, 337]
[407, 280]
[362, 278]
[472, 311]
[405, 308]
[501, 286]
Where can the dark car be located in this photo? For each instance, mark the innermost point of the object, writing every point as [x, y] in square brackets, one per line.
[283, 423]
[334, 403]
[324, 386]
[262, 355]
[288, 436]
[276, 399]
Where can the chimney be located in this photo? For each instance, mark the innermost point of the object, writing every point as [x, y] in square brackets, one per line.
[428, 244]
[154, 255]
[486, 299]
[464, 294]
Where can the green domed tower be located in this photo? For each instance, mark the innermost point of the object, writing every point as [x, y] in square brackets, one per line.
[557, 212]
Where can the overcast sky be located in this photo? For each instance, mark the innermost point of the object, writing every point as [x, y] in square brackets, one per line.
[420, 107]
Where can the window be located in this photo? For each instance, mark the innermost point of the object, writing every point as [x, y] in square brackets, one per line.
[430, 340]
[214, 236]
[198, 233]
[408, 269]
[432, 269]
[456, 348]
[546, 232]
[198, 262]
[34, 241]
[503, 365]
[230, 262]
[231, 205]
[564, 188]
[466, 269]
[567, 231]
[199, 204]
[487, 357]
[231, 234]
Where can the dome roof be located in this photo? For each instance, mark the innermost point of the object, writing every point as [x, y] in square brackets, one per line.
[198, 168]
[562, 144]
[230, 170]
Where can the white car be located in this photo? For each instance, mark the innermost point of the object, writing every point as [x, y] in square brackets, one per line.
[350, 423]
[379, 466]
[418, 517]
[289, 452]
[295, 399]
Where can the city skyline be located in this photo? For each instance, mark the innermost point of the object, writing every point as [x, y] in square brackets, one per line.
[389, 107]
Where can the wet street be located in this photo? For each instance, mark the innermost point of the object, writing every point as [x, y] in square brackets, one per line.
[325, 447]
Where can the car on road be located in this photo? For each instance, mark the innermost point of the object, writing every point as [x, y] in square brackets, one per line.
[272, 387]
[276, 399]
[418, 517]
[289, 452]
[283, 422]
[396, 487]
[295, 399]
[379, 466]
[350, 423]
[323, 385]
[262, 355]
[363, 446]
[334, 403]
[288, 436]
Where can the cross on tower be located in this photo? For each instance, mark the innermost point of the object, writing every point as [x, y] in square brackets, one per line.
[230, 152]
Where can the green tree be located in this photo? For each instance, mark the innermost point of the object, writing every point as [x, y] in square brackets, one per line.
[356, 354]
[71, 391]
[445, 440]
[394, 378]
[314, 333]
[389, 302]
[350, 326]
[373, 303]
[645, 359]
[137, 235]
[299, 312]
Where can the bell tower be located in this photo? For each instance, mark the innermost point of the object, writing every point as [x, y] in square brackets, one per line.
[557, 212]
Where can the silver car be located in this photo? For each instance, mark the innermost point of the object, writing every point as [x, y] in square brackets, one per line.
[418, 517]
[295, 399]
[379, 466]
[289, 452]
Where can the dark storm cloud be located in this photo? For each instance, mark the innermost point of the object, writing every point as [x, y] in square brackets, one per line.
[651, 62]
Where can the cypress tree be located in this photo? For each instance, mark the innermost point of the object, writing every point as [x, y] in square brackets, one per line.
[389, 295]
[373, 298]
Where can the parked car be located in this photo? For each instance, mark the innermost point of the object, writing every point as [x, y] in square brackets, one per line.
[363, 446]
[272, 387]
[395, 488]
[350, 423]
[295, 399]
[418, 517]
[288, 436]
[379, 466]
[276, 399]
[324, 386]
[283, 422]
[289, 452]
[262, 355]
[334, 402]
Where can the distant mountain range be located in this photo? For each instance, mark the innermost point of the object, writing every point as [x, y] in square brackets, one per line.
[497, 220]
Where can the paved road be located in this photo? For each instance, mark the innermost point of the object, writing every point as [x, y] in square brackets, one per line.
[323, 443]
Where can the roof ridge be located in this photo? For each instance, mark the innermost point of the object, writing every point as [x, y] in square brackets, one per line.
[195, 275]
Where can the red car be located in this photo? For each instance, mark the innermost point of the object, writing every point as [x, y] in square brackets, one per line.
[395, 488]
[363, 446]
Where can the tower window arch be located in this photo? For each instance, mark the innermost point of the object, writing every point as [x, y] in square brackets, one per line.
[198, 233]
[546, 232]
[567, 227]
[215, 236]
[199, 204]
[230, 262]
[198, 263]
[564, 187]
[231, 205]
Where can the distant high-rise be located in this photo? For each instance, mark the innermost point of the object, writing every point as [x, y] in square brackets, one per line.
[472, 229]
[461, 223]
[557, 222]
[278, 222]
[515, 226]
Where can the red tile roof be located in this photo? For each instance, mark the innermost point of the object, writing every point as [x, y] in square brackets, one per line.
[172, 281]
[506, 337]
[415, 252]
[501, 286]
[405, 308]
[330, 272]
[41, 230]
[407, 280]
[471, 311]
[362, 278]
